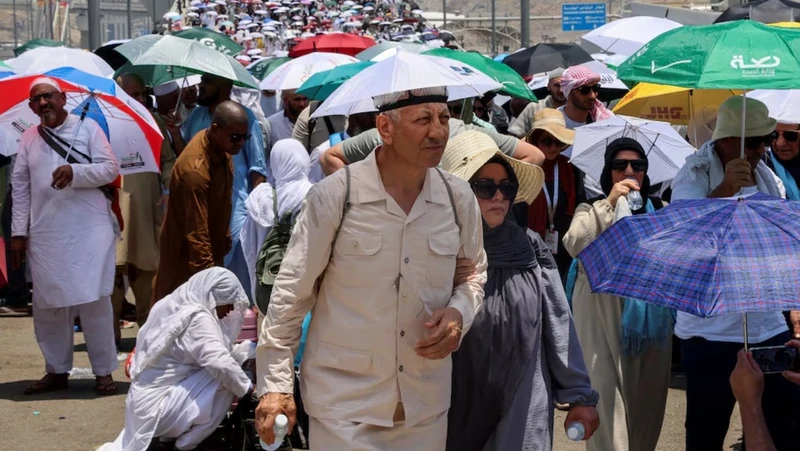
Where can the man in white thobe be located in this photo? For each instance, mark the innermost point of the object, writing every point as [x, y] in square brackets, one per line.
[64, 223]
[376, 374]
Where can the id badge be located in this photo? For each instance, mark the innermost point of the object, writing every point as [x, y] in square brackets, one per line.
[551, 240]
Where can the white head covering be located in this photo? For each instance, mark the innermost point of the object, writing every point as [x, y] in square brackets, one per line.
[45, 81]
[290, 166]
[171, 316]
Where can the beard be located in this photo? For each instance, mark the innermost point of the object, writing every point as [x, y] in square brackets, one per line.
[208, 101]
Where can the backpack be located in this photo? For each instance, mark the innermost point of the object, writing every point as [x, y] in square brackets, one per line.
[268, 263]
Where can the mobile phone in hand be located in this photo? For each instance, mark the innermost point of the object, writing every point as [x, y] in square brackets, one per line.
[776, 359]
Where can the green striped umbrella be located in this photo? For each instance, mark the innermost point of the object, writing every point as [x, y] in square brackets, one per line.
[38, 42]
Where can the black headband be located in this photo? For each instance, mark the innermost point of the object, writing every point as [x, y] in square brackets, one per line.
[412, 100]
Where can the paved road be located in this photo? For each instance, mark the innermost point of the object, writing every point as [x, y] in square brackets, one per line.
[78, 420]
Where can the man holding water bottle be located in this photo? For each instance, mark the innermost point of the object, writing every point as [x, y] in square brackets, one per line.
[376, 374]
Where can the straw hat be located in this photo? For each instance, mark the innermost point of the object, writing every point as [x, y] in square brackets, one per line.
[469, 151]
[552, 121]
[756, 121]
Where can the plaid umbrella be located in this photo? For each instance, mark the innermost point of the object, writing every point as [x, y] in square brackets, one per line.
[706, 257]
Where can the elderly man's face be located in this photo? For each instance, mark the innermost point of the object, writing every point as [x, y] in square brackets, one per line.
[229, 138]
[786, 144]
[554, 86]
[754, 148]
[295, 103]
[418, 133]
[48, 103]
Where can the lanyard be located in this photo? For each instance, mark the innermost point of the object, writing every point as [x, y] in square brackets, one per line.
[552, 205]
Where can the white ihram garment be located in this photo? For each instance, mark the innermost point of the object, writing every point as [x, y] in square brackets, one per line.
[71, 252]
[183, 374]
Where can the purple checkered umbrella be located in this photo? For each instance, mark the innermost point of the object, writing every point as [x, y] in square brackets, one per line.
[706, 257]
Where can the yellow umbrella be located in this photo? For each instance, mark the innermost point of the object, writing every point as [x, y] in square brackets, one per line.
[669, 103]
[786, 24]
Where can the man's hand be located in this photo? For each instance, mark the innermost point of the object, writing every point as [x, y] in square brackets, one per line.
[465, 271]
[19, 244]
[586, 415]
[747, 381]
[793, 376]
[62, 177]
[444, 334]
[738, 174]
[794, 318]
[621, 189]
[172, 122]
[269, 407]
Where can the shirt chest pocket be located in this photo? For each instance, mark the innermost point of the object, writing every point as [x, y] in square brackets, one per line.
[359, 255]
[441, 261]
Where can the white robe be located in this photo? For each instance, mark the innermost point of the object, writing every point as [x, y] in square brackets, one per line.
[71, 239]
[184, 374]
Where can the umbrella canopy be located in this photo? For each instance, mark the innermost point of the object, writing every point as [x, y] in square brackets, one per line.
[629, 34]
[295, 72]
[187, 54]
[322, 84]
[734, 55]
[546, 57]
[766, 11]
[669, 103]
[35, 43]
[706, 257]
[666, 150]
[107, 53]
[43, 59]
[134, 134]
[210, 38]
[389, 49]
[154, 75]
[513, 84]
[404, 72]
[611, 87]
[782, 105]
[347, 44]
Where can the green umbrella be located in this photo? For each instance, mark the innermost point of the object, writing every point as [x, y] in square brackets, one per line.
[264, 67]
[513, 84]
[322, 84]
[731, 55]
[38, 42]
[173, 53]
[154, 75]
[211, 38]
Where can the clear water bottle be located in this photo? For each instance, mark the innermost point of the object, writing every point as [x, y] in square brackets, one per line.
[576, 431]
[635, 198]
[280, 429]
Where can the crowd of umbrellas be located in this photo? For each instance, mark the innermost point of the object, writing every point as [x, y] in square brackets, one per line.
[705, 257]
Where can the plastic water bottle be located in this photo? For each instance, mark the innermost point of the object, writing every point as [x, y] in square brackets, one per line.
[576, 431]
[280, 429]
[635, 199]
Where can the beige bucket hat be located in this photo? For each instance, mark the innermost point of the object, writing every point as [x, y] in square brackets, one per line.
[756, 121]
[552, 121]
[469, 151]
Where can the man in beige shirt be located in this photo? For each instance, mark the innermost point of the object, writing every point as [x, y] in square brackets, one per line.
[376, 374]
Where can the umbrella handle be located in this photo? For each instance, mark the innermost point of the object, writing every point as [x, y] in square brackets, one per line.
[744, 111]
[744, 322]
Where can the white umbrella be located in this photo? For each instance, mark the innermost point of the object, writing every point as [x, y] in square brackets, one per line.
[629, 34]
[261, 12]
[292, 74]
[403, 72]
[615, 60]
[666, 150]
[44, 59]
[782, 104]
[192, 14]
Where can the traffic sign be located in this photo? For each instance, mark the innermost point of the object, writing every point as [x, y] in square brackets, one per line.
[582, 16]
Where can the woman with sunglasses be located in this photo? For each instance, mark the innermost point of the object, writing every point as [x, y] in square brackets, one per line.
[784, 157]
[521, 353]
[551, 213]
[627, 343]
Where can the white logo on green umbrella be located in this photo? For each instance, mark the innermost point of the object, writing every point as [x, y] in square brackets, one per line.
[654, 69]
[756, 67]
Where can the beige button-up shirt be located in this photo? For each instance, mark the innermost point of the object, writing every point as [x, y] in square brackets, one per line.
[388, 271]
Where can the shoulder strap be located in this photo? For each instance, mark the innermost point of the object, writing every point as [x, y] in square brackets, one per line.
[345, 207]
[452, 199]
[329, 125]
[48, 138]
[312, 124]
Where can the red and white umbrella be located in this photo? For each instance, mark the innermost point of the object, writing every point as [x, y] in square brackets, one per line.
[134, 134]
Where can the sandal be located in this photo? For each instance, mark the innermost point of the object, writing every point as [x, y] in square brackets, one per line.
[49, 383]
[105, 386]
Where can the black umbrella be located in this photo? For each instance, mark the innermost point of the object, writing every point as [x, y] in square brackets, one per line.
[111, 56]
[765, 11]
[546, 57]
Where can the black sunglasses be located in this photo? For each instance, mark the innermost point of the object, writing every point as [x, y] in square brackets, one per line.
[755, 142]
[486, 189]
[789, 135]
[621, 165]
[547, 141]
[235, 137]
[48, 96]
[585, 90]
